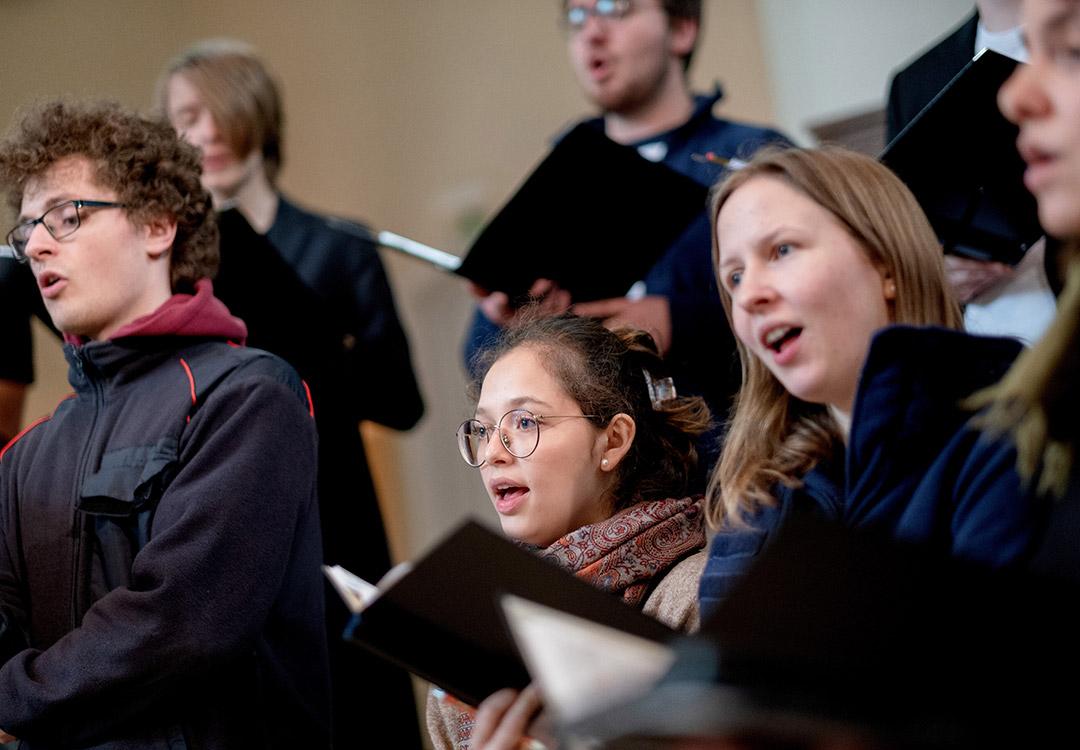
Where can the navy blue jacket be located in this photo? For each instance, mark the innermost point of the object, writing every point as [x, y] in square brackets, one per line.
[702, 354]
[914, 465]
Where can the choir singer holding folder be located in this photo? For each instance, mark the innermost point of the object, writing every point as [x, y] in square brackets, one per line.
[630, 58]
[586, 452]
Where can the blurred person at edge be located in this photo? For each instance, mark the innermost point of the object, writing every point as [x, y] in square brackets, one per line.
[1036, 403]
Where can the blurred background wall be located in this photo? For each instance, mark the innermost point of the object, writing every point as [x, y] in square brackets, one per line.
[420, 116]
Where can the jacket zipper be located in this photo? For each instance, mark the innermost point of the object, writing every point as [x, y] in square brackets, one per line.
[83, 366]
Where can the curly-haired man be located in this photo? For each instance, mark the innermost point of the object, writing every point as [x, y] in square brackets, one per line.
[159, 543]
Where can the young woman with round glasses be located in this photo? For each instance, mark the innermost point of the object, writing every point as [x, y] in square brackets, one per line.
[586, 454]
[818, 251]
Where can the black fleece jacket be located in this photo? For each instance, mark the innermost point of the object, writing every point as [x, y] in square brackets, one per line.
[159, 548]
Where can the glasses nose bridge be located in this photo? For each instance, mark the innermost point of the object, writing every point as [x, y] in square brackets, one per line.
[596, 25]
[497, 445]
[37, 240]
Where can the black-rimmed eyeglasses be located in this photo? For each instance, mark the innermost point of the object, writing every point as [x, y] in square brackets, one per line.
[577, 15]
[62, 220]
[520, 435]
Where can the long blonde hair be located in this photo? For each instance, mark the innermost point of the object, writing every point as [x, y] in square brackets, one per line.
[772, 436]
[1037, 400]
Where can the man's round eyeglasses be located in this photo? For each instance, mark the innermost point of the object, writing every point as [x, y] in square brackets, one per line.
[62, 220]
[518, 430]
[577, 15]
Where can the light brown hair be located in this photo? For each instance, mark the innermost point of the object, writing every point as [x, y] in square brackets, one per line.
[773, 437]
[151, 170]
[240, 93]
[1038, 400]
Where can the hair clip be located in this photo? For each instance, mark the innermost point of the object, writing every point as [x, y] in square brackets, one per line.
[660, 389]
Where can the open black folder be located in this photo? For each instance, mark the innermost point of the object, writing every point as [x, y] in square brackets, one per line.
[593, 216]
[835, 634]
[958, 156]
[441, 619]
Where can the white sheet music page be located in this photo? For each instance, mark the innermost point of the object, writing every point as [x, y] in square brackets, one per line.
[581, 666]
[357, 593]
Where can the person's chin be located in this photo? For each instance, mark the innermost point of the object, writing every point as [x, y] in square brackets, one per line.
[1059, 212]
[520, 531]
[804, 388]
[222, 185]
[514, 528]
[60, 319]
[72, 327]
[605, 95]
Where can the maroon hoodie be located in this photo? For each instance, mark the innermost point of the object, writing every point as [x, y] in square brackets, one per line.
[196, 315]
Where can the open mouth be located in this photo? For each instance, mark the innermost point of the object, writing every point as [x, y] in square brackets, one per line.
[509, 496]
[1032, 154]
[509, 491]
[598, 67]
[1040, 168]
[778, 337]
[48, 279]
[214, 162]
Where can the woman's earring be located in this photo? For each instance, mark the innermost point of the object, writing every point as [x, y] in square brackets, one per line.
[604, 463]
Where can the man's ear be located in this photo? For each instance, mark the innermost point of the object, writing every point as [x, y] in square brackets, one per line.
[684, 34]
[159, 233]
[619, 436]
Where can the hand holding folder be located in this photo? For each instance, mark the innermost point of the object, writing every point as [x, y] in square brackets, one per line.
[593, 218]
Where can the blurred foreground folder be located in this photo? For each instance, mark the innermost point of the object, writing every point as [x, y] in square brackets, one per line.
[844, 637]
[958, 156]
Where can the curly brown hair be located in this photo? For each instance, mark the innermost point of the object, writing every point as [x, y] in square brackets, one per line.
[604, 372]
[143, 161]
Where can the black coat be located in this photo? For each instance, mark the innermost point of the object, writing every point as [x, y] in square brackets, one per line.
[313, 291]
[920, 81]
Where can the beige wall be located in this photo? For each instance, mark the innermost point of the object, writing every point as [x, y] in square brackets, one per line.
[415, 115]
[822, 71]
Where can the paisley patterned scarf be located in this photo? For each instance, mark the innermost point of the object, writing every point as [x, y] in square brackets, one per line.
[627, 553]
